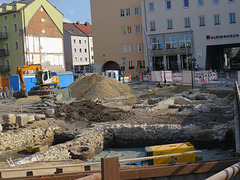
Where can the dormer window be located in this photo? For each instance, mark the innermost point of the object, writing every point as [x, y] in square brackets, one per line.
[4, 9]
[14, 7]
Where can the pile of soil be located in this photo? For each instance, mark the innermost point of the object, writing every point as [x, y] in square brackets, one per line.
[90, 112]
[98, 87]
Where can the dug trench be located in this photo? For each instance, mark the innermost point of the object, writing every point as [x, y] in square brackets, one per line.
[204, 119]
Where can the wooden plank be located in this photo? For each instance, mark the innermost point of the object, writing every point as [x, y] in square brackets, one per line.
[179, 169]
[110, 168]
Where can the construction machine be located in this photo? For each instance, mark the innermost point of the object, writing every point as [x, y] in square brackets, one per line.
[44, 78]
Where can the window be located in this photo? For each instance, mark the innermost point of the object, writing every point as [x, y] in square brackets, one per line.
[139, 64]
[85, 58]
[92, 57]
[129, 30]
[139, 47]
[15, 27]
[5, 17]
[6, 48]
[5, 31]
[152, 26]
[184, 41]
[187, 22]
[122, 13]
[186, 3]
[85, 41]
[16, 45]
[201, 20]
[216, 18]
[200, 3]
[75, 50]
[80, 50]
[157, 43]
[215, 2]
[14, 16]
[85, 50]
[232, 18]
[80, 59]
[128, 12]
[171, 42]
[4, 9]
[91, 48]
[231, 1]
[168, 5]
[124, 46]
[130, 48]
[74, 41]
[123, 28]
[130, 63]
[14, 7]
[169, 24]
[138, 29]
[136, 11]
[75, 59]
[151, 7]
[80, 42]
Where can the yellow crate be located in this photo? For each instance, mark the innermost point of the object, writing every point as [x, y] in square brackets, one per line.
[170, 149]
[40, 148]
[30, 148]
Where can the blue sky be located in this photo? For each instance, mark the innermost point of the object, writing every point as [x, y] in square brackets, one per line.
[73, 10]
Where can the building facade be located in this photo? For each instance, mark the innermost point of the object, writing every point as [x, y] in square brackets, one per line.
[76, 49]
[180, 31]
[86, 28]
[31, 32]
[117, 35]
[173, 33]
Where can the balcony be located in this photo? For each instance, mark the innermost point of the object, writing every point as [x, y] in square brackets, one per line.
[4, 68]
[3, 36]
[4, 52]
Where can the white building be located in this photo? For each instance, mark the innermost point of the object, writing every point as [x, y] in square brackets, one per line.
[76, 49]
[199, 29]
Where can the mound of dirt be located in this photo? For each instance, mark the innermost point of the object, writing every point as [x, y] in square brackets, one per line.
[90, 112]
[98, 87]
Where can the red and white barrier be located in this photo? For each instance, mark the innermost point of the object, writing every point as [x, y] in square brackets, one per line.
[177, 77]
[141, 80]
[130, 78]
[213, 76]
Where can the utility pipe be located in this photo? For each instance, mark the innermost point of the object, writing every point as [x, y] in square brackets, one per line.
[226, 173]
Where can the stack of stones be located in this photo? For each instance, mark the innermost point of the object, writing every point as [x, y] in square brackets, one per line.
[12, 121]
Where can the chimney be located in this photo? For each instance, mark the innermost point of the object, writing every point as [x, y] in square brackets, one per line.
[78, 23]
[87, 24]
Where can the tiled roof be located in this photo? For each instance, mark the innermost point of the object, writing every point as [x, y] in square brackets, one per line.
[72, 30]
[85, 28]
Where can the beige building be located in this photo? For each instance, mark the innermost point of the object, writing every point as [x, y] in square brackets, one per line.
[199, 29]
[117, 35]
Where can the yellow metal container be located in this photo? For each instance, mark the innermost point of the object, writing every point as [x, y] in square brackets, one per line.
[170, 149]
[40, 148]
[30, 149]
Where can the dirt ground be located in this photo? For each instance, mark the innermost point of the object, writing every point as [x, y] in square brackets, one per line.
[73, 118]
[78, 115]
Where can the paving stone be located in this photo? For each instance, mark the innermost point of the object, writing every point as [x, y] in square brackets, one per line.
[22, 120]
[9, 118]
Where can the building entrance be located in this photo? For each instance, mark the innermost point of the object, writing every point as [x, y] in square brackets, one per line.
[110, 65]
[218, 57]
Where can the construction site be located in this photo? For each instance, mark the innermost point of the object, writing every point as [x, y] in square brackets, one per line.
[105, 128]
